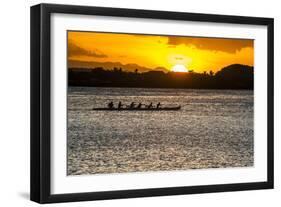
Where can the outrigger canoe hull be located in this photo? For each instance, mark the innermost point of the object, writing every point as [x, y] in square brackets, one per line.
[139, 109]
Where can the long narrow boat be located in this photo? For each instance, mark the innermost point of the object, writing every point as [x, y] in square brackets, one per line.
[175, 108]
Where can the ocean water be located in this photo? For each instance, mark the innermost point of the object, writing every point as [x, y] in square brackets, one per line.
[214, 129]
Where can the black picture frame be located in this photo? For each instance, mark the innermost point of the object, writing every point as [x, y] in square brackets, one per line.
[41, 98]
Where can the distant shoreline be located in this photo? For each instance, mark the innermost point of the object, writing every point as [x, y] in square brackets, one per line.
[236, 76]
[245, 89]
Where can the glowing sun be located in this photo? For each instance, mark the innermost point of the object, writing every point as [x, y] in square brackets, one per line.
[179, 68]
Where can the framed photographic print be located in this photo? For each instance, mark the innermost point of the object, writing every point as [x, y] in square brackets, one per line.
[133, 103]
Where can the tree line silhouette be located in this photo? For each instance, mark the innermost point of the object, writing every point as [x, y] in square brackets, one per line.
[234, 76]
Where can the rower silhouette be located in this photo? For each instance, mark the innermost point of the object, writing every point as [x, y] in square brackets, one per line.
[120, 105]
[110, 105]
[139, 105]
[132, 105]
[149, 106]
[158, 105]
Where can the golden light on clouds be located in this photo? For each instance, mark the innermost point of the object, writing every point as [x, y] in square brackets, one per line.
[156, 51]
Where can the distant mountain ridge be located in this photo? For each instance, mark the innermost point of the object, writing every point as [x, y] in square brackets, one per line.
[110, 65]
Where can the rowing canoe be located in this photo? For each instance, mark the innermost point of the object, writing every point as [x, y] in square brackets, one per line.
[139, 109]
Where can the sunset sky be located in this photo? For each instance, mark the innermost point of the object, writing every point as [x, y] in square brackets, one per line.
[91, 49]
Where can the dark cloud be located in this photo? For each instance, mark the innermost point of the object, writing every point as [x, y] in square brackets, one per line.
[214, 44]
[75, 50]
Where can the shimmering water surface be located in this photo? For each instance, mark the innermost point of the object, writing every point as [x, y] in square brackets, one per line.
[214, 129]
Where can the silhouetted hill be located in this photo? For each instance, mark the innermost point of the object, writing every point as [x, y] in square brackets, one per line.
[125, 67]
[241, 75]
[231, 77]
